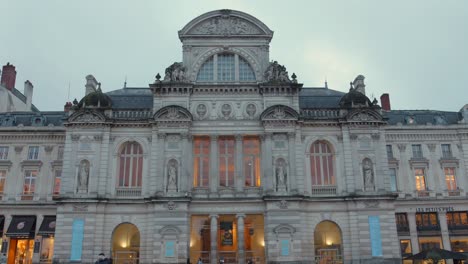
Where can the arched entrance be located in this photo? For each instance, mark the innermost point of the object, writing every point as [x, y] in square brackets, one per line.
[126, 244]
[328, 243]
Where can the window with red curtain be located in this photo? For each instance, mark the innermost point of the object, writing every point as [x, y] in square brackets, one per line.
[321, 164]
[251, 149]
[130, 165]
[201, 165]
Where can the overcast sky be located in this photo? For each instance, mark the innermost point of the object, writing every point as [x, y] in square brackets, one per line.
[417, 51]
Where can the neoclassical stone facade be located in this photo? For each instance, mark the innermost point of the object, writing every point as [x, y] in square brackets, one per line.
[227, 156]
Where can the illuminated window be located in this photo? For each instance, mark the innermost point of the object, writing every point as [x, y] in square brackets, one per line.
[251, 149]
[2, 180]
[3, 153]
[130, 165]
[450, 179]
[57, 181]
[401, 222]
[201, 167]
[405, 245]
[33, 153]
[29, 185]
[393, 180]
[427, 221]
[223, 67]
[226, 153]
[420, 179]
[457, 219]
[321, 164]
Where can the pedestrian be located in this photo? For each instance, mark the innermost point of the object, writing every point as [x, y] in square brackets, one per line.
[102, 259]
[221, 260]
[199, 261]
[3, 259]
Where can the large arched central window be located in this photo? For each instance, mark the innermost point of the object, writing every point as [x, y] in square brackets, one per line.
[130, 165]
[226, 67]
[321, 164]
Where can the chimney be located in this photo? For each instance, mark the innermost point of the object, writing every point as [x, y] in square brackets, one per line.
[28, 92]
[91, 84]
[67, 106]
[359, 84]
[385, 102]
[8, 76]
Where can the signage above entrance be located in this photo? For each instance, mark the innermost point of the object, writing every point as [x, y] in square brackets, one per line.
[434, 209]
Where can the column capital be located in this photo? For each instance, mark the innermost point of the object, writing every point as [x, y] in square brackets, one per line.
[214, 216]
[240, 215]
[239, 137]
[214, 137]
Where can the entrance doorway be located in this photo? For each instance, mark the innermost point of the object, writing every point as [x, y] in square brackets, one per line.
[126, 244]
[328, 243]
[22, 250]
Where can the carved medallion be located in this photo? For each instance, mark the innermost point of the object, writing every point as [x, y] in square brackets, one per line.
[251, 109]
[283, 204]
[171, 205]
[226, 110]
[201, 111]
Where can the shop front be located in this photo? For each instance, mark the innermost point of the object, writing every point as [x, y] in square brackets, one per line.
[21, 233]
[45, 236]
[233, 238]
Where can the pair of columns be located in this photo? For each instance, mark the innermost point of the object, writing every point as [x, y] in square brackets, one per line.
[240, 238]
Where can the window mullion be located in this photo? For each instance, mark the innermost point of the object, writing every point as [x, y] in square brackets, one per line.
[215, 67]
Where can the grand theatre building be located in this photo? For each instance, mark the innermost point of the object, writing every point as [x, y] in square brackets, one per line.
[226, 155]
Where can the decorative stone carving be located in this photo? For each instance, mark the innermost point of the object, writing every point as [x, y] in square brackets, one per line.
[226, 25]
[226, 110]
[75, 138]
[371, 204]
[18, 149]
[281, 175]
[48, 149]
[353, 136]
[83, 176]
[97, 137]
[172, 176]
[276, 73]
[171, 205]
[368, 174]
[80, 208]
[375, 136]
[87, 117]
[175, 73]
[283, 204]
[431, 147]
[402, 147]
[251, 110]
[201, 111]
[172, 113]
[279, 113]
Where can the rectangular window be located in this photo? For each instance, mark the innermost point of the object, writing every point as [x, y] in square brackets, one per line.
[3, 153]
[419, 174]
[393, 179]
[402, 222]
[457, 220]
[417, 151]
[226, 67]
[446, 151]
[226, 154]
[33, 153]
[251, 149]
[426, 243]
[57, 181]
[390, 152]
[405, 246]
[201, 163]
[427, 221]
[3, 174]
[60, 152]
[450, 179]
[29, 186]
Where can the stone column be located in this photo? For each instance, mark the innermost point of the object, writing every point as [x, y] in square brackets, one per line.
[161, 160]
[445, 233]
[240, 238]
[348, 161]
[434, 182]
[268, 173]
[239, 172]
[183, 181]
[292, 162]
[104, 179]
[214, 238]
[213, 163]
[405, 172]
[413, 232]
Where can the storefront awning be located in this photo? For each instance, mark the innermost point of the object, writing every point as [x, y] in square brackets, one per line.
[2, 223]
[22, 226]
[47, 227]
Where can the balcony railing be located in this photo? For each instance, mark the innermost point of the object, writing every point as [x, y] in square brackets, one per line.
[132, 114]
[428, 227]
[323, 190]
[127, 192]
[457, 226]
[402, 228]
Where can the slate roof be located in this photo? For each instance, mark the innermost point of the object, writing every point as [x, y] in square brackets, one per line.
[422, 117]
[36, 119]
[22, 97]
[131, 98]
[319, 97]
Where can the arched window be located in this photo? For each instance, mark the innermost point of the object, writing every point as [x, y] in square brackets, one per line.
[321, 164]
[130, 165]
[226, 67]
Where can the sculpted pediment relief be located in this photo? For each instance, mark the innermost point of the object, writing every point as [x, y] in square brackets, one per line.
[173, 113]
[279, 112]
[364, 116]
[87, 117]
[225, 25]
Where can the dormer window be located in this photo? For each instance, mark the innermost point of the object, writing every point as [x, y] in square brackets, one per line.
[226, 67]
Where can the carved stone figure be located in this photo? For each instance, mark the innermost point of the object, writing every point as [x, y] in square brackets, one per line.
[251, 109]
[281, 176]
[175, 73]
[201, 111]
[172, 113]
[276, 73]
[368, 171]
[226, 110]
[279, 113]
[172, 177]
[226, 25]
[83, 175]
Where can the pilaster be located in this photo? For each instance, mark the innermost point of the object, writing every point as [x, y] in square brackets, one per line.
[214, 238]
[240, 238]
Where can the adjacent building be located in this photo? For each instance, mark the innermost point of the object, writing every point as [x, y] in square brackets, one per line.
[228, 156]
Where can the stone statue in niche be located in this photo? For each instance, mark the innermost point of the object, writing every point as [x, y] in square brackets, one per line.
[368, 171]
[281, 175]
[83, 176]
[201, 111]
[172, 176]
[251, 109]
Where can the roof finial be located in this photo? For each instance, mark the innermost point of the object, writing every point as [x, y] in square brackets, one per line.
[326, 83]
[125, 83]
